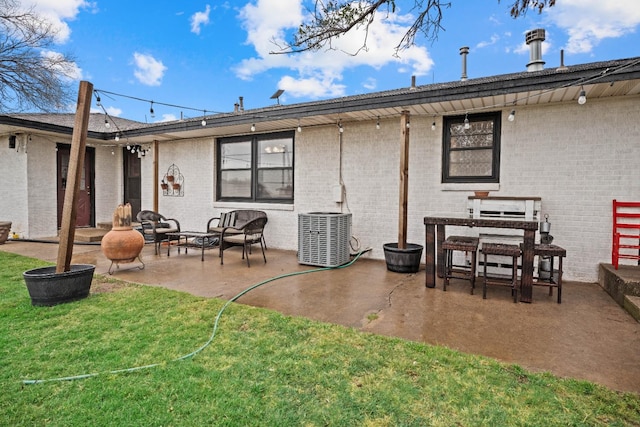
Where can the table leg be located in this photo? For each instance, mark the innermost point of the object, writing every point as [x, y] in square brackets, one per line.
[430, 279]
[526, 280]
[204, 239]
[439, 250]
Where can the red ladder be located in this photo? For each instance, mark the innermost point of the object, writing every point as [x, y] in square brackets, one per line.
[626, 232]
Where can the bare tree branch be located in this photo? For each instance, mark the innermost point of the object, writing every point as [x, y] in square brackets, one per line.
[331, 19]
[31, 75]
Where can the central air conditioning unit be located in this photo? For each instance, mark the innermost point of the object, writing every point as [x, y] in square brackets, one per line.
[323, 238]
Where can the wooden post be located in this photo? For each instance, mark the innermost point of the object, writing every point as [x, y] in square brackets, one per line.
[404, 180]
[74, 177]
[156, 176]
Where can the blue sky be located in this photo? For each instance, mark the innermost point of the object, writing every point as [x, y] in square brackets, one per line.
[204, 55]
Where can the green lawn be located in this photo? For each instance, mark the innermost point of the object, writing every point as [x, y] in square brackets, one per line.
[262, 368]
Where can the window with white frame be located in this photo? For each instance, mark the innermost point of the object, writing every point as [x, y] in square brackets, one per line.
[256, 168]
[471, 148]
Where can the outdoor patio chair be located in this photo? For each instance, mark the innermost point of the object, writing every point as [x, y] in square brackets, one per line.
[156, 227]
[234, 221]
[250, 234]
[463, 244]
[505, 251]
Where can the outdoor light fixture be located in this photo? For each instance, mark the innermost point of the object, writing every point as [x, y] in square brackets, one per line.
[582, 99]
[466, 122]
[299, 127]
[512, 116]
[253, 127]
[433, 126]
[117, 138]
[378, 123]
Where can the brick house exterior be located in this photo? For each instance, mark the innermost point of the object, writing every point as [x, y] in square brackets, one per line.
[576, 158]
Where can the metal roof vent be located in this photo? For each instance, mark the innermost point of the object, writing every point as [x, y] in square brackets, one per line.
[534, 39]
[464, 51]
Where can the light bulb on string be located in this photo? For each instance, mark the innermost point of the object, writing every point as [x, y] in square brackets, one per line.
[512, 116]
[253, 127]
[433, 126]
[466, 122]
[153, 114]
[117, 138]
[204, 121]
[378, 123]
[582, 99]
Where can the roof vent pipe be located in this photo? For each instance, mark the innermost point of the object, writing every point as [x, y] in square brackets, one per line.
[464, 51]
[413, 82]
[562, 67]
[534, 39]
[241, 99]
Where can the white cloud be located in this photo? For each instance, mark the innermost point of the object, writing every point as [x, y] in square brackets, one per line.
[199, 19]
[319, 73]
[587, 22]
[493, 40]
[149, 71]
[57, 12]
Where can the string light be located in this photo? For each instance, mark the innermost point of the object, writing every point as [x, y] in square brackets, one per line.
[253, 127]
[378, 123]
[433, 126]
[582, 99]
[299, 127]
[106, 122]
[204, 121]
[512, 116]
[151, 111]
[117, 138]
[466, 121]
[340, 129]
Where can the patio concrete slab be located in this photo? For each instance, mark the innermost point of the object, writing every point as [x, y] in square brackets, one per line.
[589, 336]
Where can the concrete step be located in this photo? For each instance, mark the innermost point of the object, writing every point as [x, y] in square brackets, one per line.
[632, 305]
[623, 285]
[90, 234]
[104, 225]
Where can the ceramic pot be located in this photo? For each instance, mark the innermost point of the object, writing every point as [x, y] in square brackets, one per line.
[122, 244]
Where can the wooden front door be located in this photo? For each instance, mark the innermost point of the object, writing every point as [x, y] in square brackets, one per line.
[132, 181]
[84, 210]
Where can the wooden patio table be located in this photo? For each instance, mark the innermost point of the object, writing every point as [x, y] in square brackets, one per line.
[435, 232]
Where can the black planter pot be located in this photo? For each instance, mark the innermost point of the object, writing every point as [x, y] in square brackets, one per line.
[403, 260]
[46, 287]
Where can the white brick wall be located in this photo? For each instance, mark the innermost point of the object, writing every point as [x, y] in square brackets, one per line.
[576, 158]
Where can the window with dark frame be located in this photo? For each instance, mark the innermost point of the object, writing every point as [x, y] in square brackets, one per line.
[256, 168]
[471, 153]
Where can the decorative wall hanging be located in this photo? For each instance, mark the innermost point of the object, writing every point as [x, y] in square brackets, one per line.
[172, 183]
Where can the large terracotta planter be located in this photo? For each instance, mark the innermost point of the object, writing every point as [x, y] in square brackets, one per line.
[122, 245]
[46, 287]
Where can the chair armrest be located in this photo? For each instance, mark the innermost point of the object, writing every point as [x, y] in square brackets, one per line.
[175, 221]
[209, 222]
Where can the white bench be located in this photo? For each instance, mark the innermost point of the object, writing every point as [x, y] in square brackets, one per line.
[519, 208]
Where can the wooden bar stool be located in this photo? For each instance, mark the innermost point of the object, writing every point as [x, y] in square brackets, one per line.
[464, 244]
[506, 250]
[551, 252]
